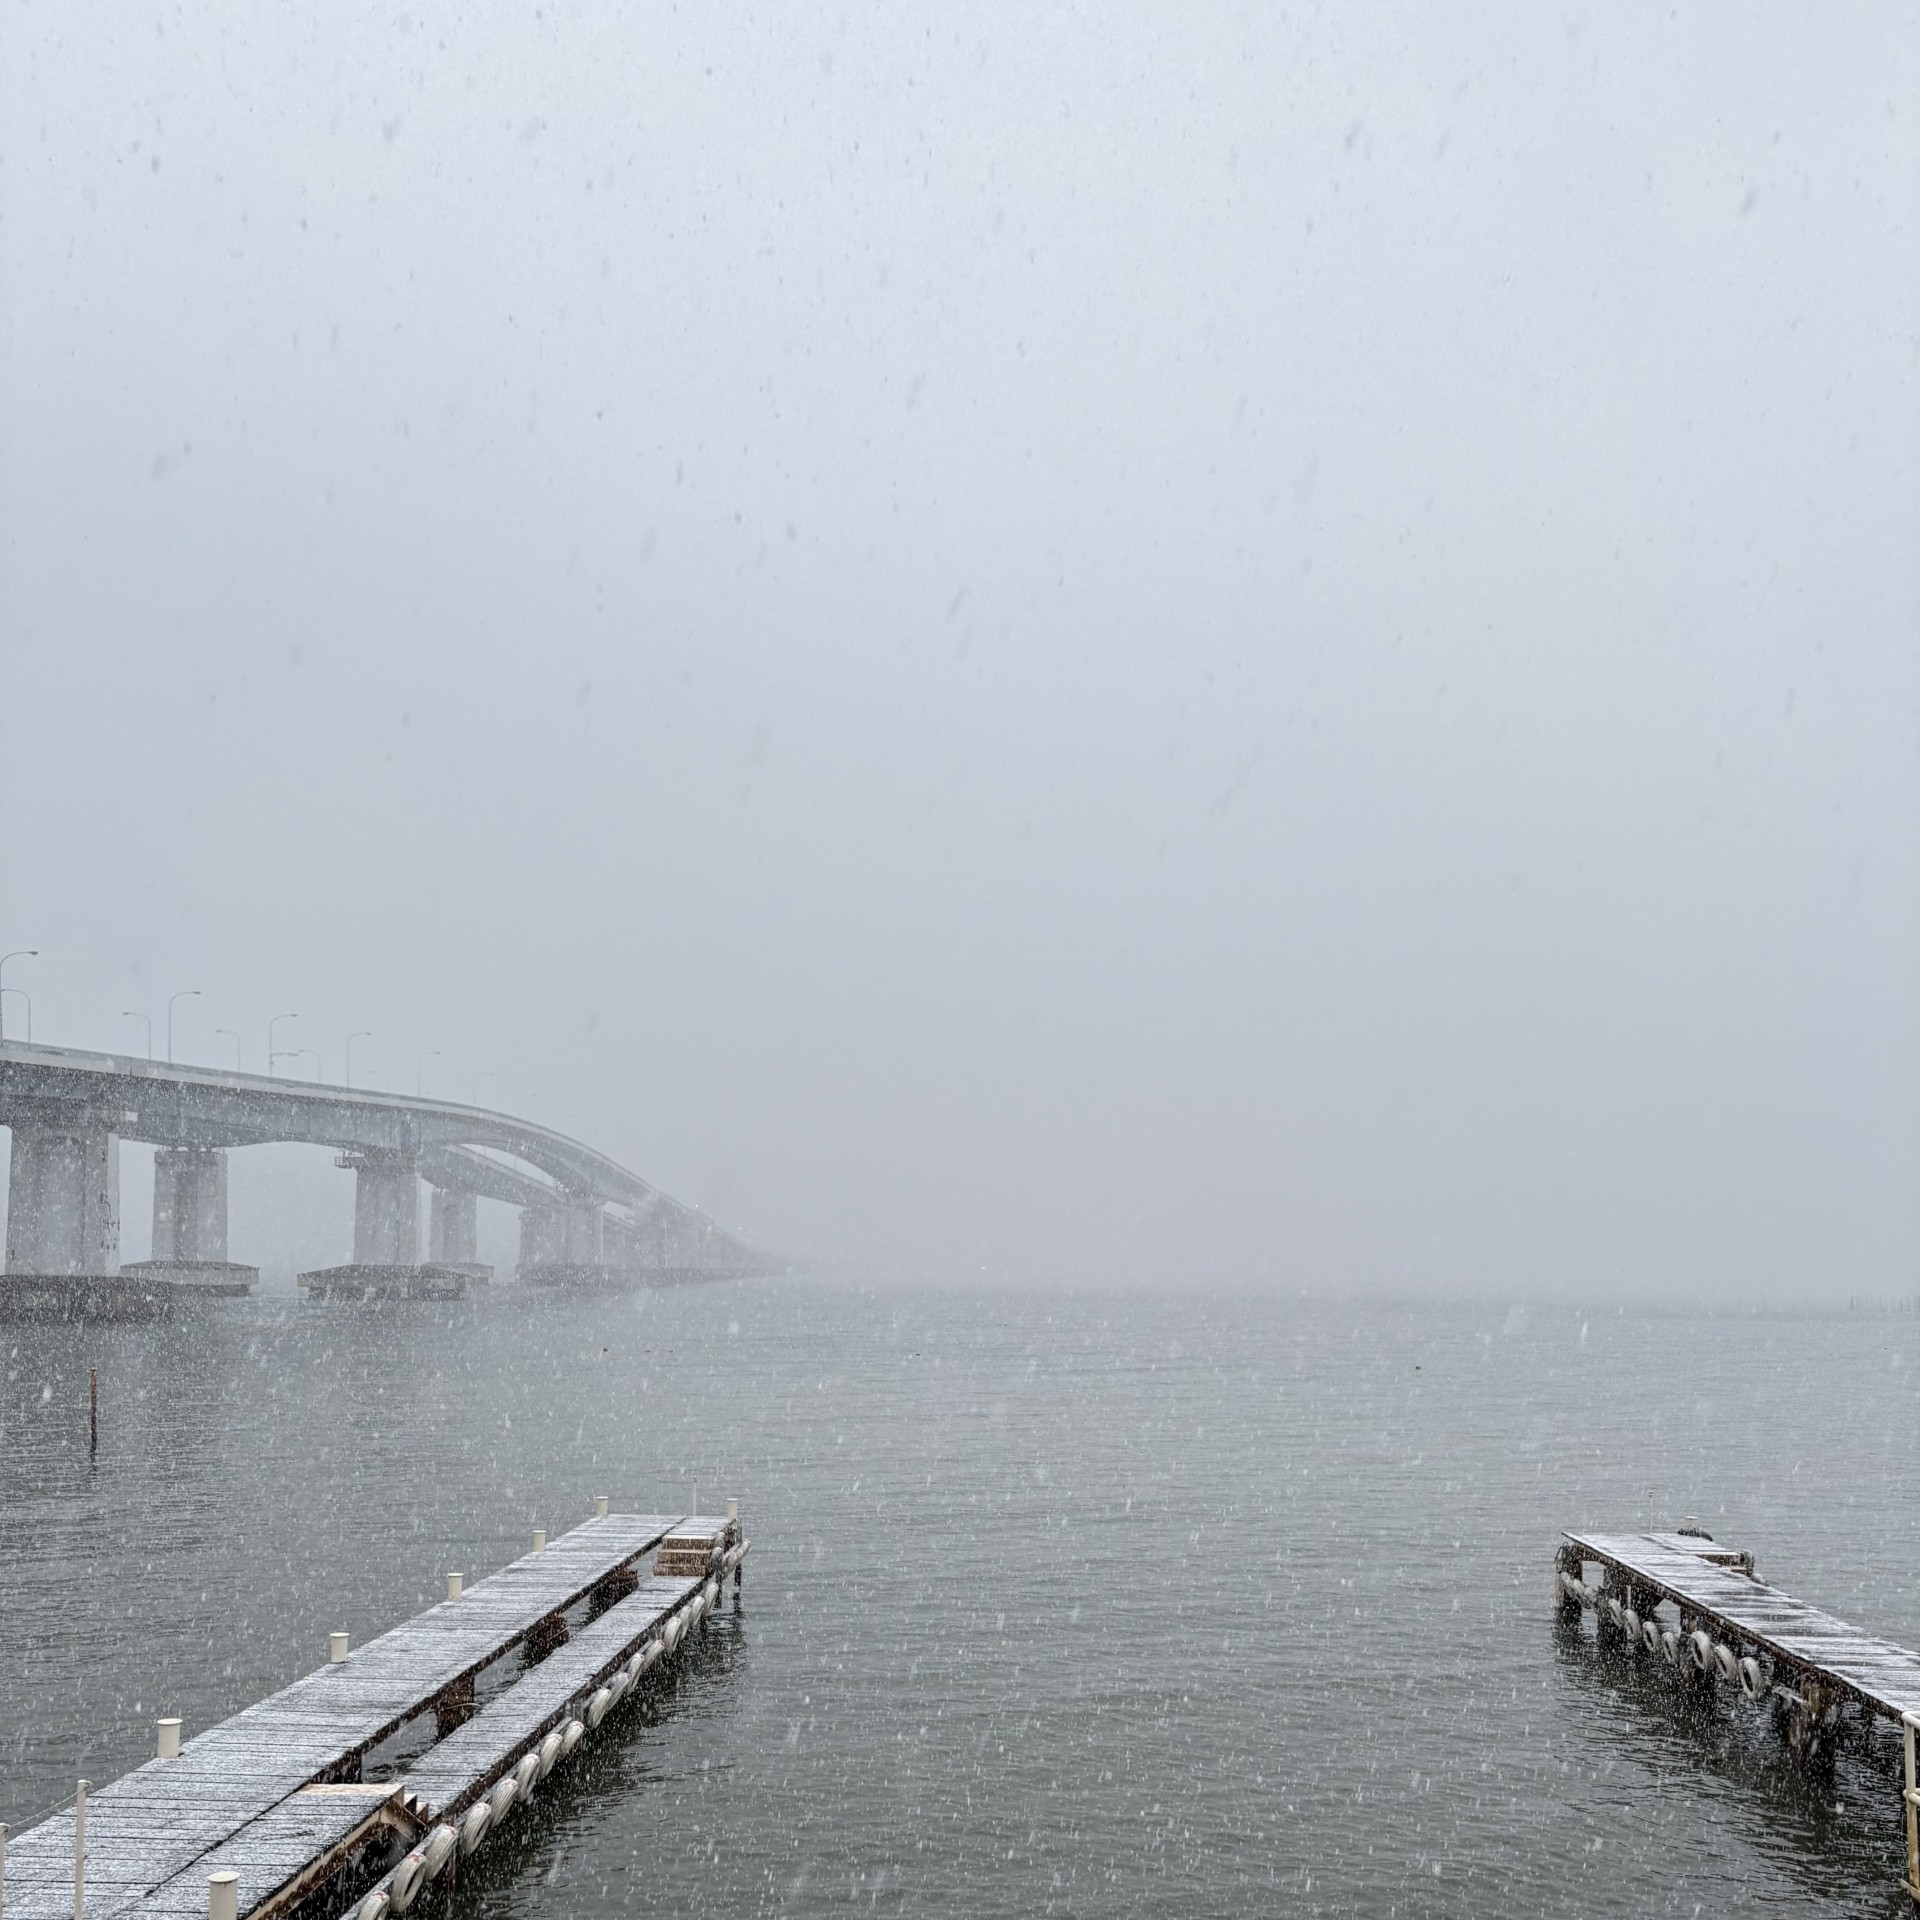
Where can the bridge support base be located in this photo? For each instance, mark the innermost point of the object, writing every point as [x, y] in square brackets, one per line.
[373, 1282]
[200, 1279]
[89, 1297]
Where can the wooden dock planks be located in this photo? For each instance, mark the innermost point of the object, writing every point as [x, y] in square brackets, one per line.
[455, 1771]
[1702, 1579]
[288, 1852]
[169, 1815]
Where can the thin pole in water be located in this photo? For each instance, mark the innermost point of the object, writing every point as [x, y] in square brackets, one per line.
[80, 1851]
[93, 1412]
[1911, 1796]
[3, 1866]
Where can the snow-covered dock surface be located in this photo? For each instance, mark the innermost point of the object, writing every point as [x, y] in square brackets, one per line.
[1713, 1592]
[274, 1793]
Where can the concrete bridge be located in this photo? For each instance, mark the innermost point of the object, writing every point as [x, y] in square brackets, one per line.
[584, 1219]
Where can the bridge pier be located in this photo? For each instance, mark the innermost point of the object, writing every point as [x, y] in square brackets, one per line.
[386, 1208]
[63, 1221]
[564, 1243]
[190, 1223]
[453, 1231]
[386, 1262]
[453, 1227]
[63, 1197]
[190, 1204]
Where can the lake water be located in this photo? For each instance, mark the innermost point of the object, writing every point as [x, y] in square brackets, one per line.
[1072, 1604]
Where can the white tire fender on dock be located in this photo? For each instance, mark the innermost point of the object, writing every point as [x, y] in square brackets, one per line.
[571, 1735]
[671, 1638]
[438, 1849]
[473, 1829]
[651, 1652]
[408, 1878]
[1670, 1646]
[501, 1799]
[634, 1668]
[619, 1686]
[550, 1752]
[711, 1593]
[1699, 1652]
[1630, 1623]
[525, 1774]
[373, 1906]
[1650, 1635]
[598, 1705]
[1726, 1660]
[1613, 1611]
[1753, 1683]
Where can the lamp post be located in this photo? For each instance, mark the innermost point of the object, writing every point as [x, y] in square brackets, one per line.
[30, 953]
[271, 1024]
[420, 1068]
[364, 1034]
[185, 993]
[227, 1033]
[145, 1022]
[28, 998]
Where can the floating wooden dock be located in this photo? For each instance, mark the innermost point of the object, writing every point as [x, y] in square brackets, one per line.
[1700, 1607]
[269, 1811]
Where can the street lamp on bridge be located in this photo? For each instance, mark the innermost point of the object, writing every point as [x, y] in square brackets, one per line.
[185, 993]
[365, 1033]
[28, 998]
[227, 1033]
[420, 1068]
[145, 1022]
[271, 1024]
[29, 953]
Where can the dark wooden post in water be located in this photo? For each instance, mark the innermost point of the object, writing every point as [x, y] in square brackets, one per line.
[93, 1412]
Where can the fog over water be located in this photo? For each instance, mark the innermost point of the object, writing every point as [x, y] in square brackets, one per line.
[1164, 645]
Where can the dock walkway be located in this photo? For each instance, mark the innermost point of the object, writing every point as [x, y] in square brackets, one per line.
[1701, 1607]
[1716, 1592]
[275, 1793]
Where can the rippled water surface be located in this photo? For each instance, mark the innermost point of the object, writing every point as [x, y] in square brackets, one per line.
[1061, 1605]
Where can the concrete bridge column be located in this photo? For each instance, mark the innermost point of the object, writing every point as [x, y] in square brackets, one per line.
[566, 1234]
[190, 1204]
[63, 1197]
[386, 1208]
[453, 1228]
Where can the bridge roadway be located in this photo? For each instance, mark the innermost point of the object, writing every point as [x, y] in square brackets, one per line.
[583, 1215]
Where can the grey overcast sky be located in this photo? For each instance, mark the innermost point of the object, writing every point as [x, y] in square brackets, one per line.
[1165, 644]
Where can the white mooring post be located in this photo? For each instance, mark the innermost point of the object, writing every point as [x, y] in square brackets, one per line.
[223, 1896]
[1911, 1800]
[80, 1850]
[539, 1539]
[169, 1743]
[453, 1586]
[600, 1507]
[336, 1648]
[733, 1509]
